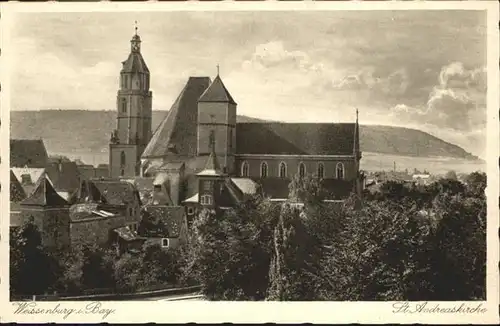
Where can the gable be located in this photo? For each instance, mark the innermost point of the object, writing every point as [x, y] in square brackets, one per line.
[296, 138]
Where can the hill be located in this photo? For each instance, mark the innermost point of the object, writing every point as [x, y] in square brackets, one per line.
[68, 131]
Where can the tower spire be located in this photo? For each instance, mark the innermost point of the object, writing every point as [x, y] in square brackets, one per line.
[218, 69]
[136, 28]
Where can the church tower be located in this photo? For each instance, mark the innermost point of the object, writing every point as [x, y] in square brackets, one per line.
[217, 119]
[133, 102]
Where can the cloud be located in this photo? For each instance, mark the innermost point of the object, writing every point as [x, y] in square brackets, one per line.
[394, 83]
[456, 103]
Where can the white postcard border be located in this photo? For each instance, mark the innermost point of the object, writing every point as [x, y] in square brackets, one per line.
[256, 312]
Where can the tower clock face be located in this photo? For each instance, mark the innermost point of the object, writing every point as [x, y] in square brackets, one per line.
[135, 47]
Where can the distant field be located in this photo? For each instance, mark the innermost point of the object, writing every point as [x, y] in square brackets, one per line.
[369, 162]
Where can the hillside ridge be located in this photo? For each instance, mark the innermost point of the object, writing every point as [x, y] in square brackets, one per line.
[91, 130]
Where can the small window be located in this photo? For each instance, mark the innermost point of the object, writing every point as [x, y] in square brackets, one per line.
[302, 170]
[263, 170]
[282, 170]
[157, 188]
[122, 158]
[340, 171]
[123, 105]
[165, 242]
[206, 200]
[230, 141]
[122, 173]
[244, 169]
[321, 170]
[190, 210]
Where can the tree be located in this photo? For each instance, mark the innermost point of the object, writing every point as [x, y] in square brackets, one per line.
[127, 273]
[27, 256]
[476, 183]
[292, 260]
[452, 175]
[97, 268]
[458, 248]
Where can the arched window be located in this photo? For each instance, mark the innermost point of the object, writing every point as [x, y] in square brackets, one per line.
[122, 158]
[263, 170]
[123, 105]
[244, 169]
[282, 170]
[340, 171]
[302, 170]
[321, 170]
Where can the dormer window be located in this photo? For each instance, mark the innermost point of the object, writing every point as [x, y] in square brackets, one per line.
[206, 200]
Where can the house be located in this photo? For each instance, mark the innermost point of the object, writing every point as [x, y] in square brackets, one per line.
[17, 195]
[30, 153]
[88, 171]
[92, 223]
[64, 177]
[49, 212]
[115, 196]
[422, 179]
[163, 225]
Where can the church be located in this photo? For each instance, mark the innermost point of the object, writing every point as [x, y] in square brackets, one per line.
[200, 155]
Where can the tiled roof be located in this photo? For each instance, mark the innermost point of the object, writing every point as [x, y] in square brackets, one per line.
[17, 193]
[64, 176]
[135, 63]
[296, 138]
[83, 211]
[246, 185]
[28, 152]
[44, 195]
[34, 175]
[171, 216]
[125, 233]
[217, 92]
[88, 192]
[177, 133]
[117, 192]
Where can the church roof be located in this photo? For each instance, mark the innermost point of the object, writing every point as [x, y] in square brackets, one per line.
[177, 133]
[29, 153]
[217, 92]
[296, 138]
[44, 195]
[135, 63]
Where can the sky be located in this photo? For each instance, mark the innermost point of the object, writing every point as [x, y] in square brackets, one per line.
[418, 69]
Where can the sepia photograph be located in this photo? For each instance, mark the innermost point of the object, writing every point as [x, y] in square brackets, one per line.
[249, 155]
